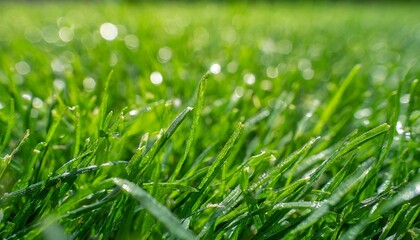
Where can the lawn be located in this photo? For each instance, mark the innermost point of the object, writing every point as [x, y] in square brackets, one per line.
[209, 121]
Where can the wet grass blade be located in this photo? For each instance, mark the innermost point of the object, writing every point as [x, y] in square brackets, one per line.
[336, 99]
[284, 165]
[152, 206]
[198, 108]
[396, 218]
[409, 192]
[5, 161]
[104, 103]
[221, 158]
[144, 161]
[353, 144]
[225, 206]
[347, 185]
[11, 121]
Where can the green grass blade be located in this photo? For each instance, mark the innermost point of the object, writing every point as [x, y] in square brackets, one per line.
[138, 155]
[198, 108]
[78, 127]
[225, 206]
[347, 185]
[353, 144]
[104, 103]
[62, 178]
[409, 192]
[295, 205]
[335, 101]
[284, 165]
[221, 158]
[5, 161]
[11, 121]
[408, 220]
[143, 162]
[396, 218]
[152, 206]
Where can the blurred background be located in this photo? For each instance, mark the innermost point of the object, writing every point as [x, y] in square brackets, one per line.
[257, 50]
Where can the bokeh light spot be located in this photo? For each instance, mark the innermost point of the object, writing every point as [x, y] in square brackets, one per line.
[108, 31]
[156, 78]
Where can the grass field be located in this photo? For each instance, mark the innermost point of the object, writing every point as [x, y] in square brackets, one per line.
[184, 121]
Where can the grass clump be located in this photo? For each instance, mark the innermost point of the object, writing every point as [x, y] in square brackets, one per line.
[306, 124]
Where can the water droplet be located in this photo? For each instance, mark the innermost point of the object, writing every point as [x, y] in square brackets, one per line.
[131, 42]
[164, 54]
[27, 96]
[133, 112]
[268, 46]
[362, 113]
[23, 68]
[284, 46]
[304, 64]
[108, 31]
[66, 34]
[177, 102]
[50, 34]
[113, 59]
[115, 134]
[249, 78]
[126, 187]
[407, 135]
[405, 99]
[238, 93]
[399, 128]
[37, 103]
[215, 68]
[57, 65]
[89, 84]
[156, 78]
[308, 74]
[272, 72]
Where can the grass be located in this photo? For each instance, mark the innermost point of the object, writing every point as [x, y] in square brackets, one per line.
[209, 121]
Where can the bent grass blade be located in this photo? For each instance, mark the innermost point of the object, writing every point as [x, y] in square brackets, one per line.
[152, 206]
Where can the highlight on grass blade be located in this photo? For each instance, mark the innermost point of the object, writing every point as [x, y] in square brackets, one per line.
[104, 103]
[198, 108]
[221, 158]
[143, 161]
[5, 161]
[152, 206]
